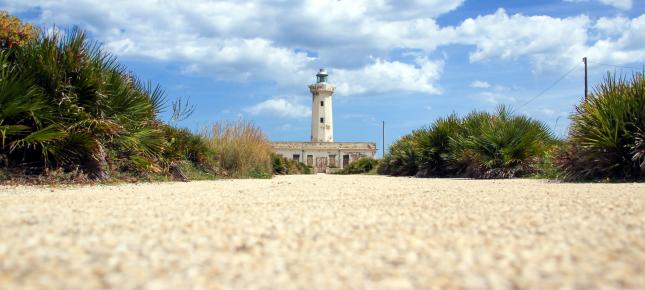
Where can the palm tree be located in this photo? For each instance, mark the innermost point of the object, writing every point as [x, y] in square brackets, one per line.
[68, 100]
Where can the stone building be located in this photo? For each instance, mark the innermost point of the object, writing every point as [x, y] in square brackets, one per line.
[322, 153]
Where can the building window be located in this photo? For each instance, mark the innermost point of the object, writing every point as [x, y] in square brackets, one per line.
[332, 160]
[310, 160]
[322, 78]
[322, 120]
[296, 157]
[322, 103]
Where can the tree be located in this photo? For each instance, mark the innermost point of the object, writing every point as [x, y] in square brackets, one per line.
[13, 32]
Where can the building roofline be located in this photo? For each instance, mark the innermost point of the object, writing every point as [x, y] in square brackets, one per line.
[346, 142]
[325, 145]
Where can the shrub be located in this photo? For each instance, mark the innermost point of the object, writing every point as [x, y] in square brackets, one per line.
[182, 144]
[606, 136]
[401, 159]
[548, 168]
[360, 166]
[480, 145]
[13, 32]
[66, 103]
[67, 106]
[284, 166]
[500, 145]
[240, 148]
[432, 145]
[279, 164]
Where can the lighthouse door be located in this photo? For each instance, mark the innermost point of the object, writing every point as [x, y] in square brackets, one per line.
[321, 164]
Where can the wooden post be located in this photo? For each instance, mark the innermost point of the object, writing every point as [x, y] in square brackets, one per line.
[383, 139]
[584, 59]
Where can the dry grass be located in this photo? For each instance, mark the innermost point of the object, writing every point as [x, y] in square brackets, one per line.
[242, 150]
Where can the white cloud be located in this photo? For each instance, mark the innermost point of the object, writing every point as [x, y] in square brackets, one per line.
[548, 112]
[286, 41]
[386, 76]
[621, 41]
[242, 40]
[280, 107]
[495, 94]
[545, 40]
[612, 26]
[480, 84]
[552, 43]
[620, 4]
[242, 59]
[497, 97]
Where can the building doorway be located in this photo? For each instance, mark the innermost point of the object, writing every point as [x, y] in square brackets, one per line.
[345, 161]
[321, 164]
[310, 160]
[332, 161]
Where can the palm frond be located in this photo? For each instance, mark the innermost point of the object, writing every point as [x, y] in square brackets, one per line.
[605, 130]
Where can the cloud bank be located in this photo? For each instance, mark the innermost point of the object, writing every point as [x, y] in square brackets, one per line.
[363, 42]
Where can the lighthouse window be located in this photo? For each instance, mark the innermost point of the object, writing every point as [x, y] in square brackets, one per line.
[322, 120]
[322, 103]
[322, 78]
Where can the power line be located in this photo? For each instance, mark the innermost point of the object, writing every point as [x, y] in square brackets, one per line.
[551, 86]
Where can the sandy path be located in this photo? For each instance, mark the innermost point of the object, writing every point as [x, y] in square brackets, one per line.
[322, 232]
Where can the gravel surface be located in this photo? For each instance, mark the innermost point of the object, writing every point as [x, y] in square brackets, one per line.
[324, 232]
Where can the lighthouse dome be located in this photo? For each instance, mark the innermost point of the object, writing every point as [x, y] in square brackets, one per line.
[322, 76]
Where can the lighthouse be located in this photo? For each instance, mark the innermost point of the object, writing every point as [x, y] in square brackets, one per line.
[322, 120]
[322, 153]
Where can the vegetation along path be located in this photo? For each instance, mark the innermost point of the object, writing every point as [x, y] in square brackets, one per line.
[324, 231]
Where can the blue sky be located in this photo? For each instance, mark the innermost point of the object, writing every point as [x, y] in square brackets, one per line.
[406, 62]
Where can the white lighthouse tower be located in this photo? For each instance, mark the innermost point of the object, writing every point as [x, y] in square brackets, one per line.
[322, 122]
[322, 154]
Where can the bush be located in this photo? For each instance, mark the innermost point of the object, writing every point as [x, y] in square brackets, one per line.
[432, 146]
[548, 168]
[13, 32]
[607, 132]
[360, 166]
[64, 103]
[182, 144]
[241, 149]
[284, 166]
[500, 145]
[481, 145]
[67, 106]
[401, 160]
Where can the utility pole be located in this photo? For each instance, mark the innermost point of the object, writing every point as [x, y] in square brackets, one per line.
[584, 59]
[383, 139]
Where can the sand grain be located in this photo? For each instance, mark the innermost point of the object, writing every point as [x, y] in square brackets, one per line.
[324, 232]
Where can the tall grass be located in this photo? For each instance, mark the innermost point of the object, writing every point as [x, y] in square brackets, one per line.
[241, 149]
[606, 138]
